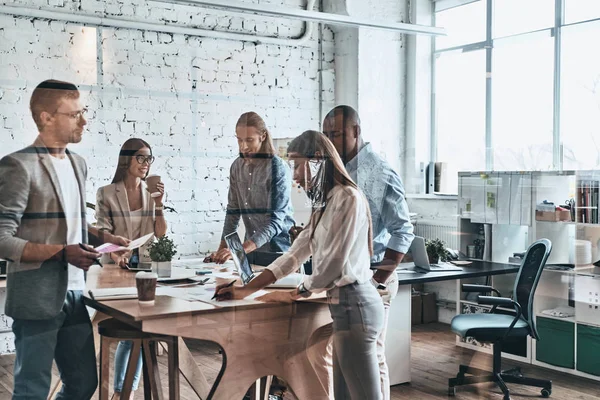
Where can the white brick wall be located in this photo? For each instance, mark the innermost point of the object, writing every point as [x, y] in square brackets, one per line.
[182, 94]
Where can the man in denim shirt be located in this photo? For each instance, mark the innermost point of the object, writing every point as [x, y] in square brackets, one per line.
[392, 230]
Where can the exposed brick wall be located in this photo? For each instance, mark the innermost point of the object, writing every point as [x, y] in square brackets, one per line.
[183, 94]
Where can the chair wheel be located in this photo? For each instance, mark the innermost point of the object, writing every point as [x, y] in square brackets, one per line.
[451, 391]
[546, 392]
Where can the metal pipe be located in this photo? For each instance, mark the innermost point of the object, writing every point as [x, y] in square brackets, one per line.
[157, 27]
[315, 16]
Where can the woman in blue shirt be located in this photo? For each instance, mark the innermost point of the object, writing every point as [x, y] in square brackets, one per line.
[259, 192]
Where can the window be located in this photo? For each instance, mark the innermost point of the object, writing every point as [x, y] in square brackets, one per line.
[539, 107]
[522, 86]
[580, 97]
[465, 24]
[460, 111]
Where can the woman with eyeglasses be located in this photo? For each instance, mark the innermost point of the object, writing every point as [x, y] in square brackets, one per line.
[260, 186]
[126, 208]
[339, 238]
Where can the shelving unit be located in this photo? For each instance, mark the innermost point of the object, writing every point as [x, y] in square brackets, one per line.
[507, 201]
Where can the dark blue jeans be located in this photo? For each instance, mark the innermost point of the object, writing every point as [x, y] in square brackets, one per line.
[68, 339]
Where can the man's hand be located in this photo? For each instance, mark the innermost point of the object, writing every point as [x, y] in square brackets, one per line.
[221, 256]
[79, 257]
[294, 232]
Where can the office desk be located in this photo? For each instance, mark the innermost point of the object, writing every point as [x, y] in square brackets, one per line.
[398, 339]
[257, 340]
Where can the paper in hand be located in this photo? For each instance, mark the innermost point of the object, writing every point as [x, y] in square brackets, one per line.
[111, 248]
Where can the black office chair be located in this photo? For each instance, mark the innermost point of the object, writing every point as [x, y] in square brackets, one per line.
[497, 328]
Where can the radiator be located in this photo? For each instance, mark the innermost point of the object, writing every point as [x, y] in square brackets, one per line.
[432, 229]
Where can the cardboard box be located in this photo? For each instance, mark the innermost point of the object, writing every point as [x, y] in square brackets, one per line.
[415, 312]
[553, 216]
[429, 311]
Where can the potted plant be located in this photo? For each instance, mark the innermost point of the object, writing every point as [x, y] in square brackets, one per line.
[161, 253]
[436, 250]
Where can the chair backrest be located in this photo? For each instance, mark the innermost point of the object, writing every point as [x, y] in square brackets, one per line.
[528, 277]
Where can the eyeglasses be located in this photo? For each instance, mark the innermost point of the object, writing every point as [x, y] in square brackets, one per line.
[75, 114]
[141, 159]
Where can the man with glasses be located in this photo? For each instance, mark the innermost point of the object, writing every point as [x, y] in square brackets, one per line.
[392, 230]
[43, 235]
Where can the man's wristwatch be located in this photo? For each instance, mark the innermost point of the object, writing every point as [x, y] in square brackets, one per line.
[303, 292]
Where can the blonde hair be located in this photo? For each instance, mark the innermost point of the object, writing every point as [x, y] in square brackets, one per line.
[253, 120]
[307, 145]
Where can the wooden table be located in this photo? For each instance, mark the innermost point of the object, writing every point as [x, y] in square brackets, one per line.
[257, 340]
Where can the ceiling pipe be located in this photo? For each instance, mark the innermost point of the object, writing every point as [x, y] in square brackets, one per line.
[314, 16]
[158, 27]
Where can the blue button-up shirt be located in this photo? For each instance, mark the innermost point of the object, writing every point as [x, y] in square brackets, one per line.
[259, 193]
[385, 193]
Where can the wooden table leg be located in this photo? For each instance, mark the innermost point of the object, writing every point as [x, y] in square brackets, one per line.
[153, 373]
[190, 370]
[147, 385]
[173, 358]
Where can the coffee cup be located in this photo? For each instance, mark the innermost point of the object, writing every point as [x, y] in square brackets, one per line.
[146, 287]
[152, 181]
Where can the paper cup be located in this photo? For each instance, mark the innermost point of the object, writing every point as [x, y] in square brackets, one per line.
[146, 287]
[152, 181]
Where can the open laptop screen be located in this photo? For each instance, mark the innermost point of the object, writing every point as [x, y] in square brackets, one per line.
[239, 257]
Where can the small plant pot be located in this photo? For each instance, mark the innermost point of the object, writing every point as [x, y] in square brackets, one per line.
[434, 260]
[162, 268]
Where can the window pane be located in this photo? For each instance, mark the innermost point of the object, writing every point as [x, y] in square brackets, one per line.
[518, 16]
[580, 97]
[464, 24]
[522, 93]
[581, 10]
[460, 110]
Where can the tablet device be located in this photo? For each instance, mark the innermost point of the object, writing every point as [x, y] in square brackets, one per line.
[238, 255]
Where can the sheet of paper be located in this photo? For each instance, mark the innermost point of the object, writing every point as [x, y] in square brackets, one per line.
[111, 247]
[206, 295]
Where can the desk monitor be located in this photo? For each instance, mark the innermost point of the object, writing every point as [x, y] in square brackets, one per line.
[419, 254]
[239, 257]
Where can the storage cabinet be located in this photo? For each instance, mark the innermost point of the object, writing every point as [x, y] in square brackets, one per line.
[588, 349]
[557, 341]
[567, 302]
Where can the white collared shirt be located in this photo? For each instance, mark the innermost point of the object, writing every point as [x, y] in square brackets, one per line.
[340, 246]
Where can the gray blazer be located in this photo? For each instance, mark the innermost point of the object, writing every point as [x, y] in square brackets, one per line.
[32, 209]
[112, 212]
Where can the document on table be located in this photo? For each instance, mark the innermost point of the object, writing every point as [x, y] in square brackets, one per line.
[204, 293]
[111, 247]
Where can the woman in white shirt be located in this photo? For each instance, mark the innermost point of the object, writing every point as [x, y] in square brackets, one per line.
[338, 237]
[126, 208]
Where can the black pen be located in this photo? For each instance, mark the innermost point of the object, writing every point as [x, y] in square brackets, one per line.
[95, 260]
[230, 284]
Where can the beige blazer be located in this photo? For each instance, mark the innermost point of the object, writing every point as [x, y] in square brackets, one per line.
[112, 213]
[32, 209]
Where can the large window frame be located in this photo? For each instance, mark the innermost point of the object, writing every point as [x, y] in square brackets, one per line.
[487, 45]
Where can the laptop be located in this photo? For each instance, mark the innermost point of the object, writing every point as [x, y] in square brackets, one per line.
[244, 269]
[419, 254]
